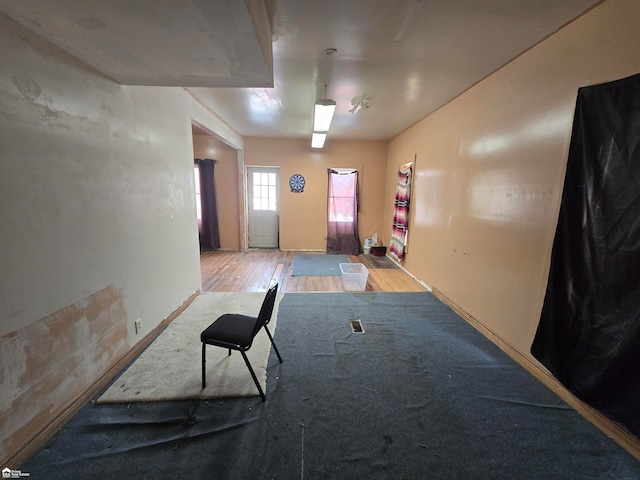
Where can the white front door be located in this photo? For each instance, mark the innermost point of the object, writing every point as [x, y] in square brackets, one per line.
[263, 185]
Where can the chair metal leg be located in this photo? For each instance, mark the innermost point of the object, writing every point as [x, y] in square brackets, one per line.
[255, 379]
[204, 360]
[273, 343]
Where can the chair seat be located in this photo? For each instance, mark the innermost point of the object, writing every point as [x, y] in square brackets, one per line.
[230, 328]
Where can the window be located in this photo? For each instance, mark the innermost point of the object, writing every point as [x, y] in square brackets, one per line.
[342, 198]
[264, 191]
[342, 212]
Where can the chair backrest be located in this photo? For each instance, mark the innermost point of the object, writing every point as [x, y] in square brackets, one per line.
[264, 317]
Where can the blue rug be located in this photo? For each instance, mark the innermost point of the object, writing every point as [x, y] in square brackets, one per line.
[419, 395]
[318, 265]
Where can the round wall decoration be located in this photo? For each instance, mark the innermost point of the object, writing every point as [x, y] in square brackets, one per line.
[296, 182]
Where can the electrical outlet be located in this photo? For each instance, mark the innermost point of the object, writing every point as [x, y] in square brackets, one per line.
[138, 325]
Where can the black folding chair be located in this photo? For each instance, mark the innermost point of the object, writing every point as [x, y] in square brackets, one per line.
[236, 332]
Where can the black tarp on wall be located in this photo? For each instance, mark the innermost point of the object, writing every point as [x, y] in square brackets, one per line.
[589, 331]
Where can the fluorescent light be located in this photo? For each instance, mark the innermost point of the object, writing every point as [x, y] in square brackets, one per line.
[323, 114]
[317, 139]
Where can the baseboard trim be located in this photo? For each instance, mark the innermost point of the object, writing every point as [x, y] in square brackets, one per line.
[399, 265]
[613, 430]
[69, 410]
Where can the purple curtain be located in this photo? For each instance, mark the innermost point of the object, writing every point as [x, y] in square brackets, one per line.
[208, 228]
[342, 212]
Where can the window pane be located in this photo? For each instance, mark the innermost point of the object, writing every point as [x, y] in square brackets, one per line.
[342, 199]
[341, 209]
[264, 191]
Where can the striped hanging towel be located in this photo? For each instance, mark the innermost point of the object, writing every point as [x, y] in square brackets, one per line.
[401, 212]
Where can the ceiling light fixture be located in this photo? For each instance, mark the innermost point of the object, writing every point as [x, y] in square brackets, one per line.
[317, 139]
[322, 116]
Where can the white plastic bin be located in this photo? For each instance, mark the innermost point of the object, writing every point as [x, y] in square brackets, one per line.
[354, 276]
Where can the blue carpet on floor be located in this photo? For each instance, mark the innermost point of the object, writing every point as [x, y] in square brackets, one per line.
[419, 394]
[310, 264]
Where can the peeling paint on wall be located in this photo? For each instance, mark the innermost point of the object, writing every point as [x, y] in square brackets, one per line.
[27, 86]
[49, 363]
[85, 165]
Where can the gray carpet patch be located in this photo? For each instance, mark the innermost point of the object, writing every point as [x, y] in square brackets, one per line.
[421, 395]
[310, 264]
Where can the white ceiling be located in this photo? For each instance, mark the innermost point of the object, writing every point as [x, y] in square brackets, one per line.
[406, 57]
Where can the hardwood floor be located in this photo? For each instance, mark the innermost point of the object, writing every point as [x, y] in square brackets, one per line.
[252, 271]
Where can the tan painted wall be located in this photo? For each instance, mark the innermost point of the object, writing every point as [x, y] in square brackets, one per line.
[227, 187]
[303, 224]
[98, 219]
[490, 170]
